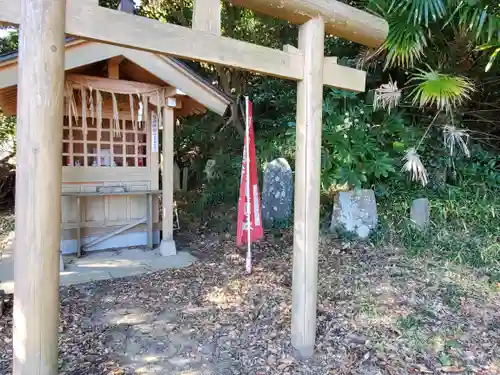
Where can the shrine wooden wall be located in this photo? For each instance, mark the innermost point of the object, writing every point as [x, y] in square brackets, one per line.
[101, 159]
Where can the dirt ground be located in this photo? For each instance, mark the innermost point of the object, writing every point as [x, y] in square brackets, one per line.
[379, 312]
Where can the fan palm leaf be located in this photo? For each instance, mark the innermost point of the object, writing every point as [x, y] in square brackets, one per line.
[405, 43]
[480, 18]
[455, 138]
[493, 56]
[420, 11]
[414, 166]
[387, 96]
[445, 91]
[367, 57]
[411, 22]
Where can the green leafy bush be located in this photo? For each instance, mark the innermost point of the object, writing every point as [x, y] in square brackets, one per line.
[360, 146]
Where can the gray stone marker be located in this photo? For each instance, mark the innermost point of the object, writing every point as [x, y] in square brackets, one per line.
[61, 262]
[420, 213]
[177, 177]
[277, 192]
[355, 212]
[2, 297]
[210, 169]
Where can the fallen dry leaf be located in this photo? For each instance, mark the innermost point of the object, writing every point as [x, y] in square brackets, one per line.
[213, 318]
[452, 369]
[422, 369]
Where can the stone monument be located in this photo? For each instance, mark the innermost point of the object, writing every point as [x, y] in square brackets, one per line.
[277, 192]
[355, 212]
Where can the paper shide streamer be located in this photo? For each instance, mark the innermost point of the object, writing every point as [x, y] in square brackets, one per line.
[91, 102]
[83, 94]
[93, 108]
[132, 109]
[98, 96]
[116, 116]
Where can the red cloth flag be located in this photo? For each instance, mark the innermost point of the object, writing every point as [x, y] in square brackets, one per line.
[254, 217]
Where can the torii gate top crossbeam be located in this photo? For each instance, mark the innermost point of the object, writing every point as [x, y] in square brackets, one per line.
[341, 19]
[114, 27]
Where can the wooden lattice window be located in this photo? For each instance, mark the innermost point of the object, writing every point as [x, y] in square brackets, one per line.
[104, 147]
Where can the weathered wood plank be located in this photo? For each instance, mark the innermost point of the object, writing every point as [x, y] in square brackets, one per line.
[114, 67]
[93, 227]
[335, 75]
[115, 85]
[341, 19]
[307, 188]
[86, 175]
[168, 70]
[207, 16]
[120, 194]
[78, 54]
[38, 192]
[343, 77]
[115, 233]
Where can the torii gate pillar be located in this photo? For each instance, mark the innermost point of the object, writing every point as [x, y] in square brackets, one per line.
[38, 187]
[307, 183]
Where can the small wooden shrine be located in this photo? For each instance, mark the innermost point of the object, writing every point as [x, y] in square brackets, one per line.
[113, 111]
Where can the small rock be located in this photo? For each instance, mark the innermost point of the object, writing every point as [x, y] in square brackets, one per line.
[368, 369]
[469, 356]
[354, 339]
[271, 360]
[208, 348]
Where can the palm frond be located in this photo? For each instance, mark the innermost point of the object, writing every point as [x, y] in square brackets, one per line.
[414, 166]
[420, 11]
[495, 47]
[367, 58]
[379, 7]
[445, 91]
[387, 96]
[455, 138]
[480, 18]
[492, 59]
[405, 43]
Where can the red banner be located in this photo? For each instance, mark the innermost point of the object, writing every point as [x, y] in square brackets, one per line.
[249, 191]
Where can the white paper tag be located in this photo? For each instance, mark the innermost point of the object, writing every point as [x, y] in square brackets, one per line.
[154, 134]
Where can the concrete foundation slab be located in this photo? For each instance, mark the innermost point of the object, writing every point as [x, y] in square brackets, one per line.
[102, 265]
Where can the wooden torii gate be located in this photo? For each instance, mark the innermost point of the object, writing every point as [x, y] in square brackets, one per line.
[43, 25]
